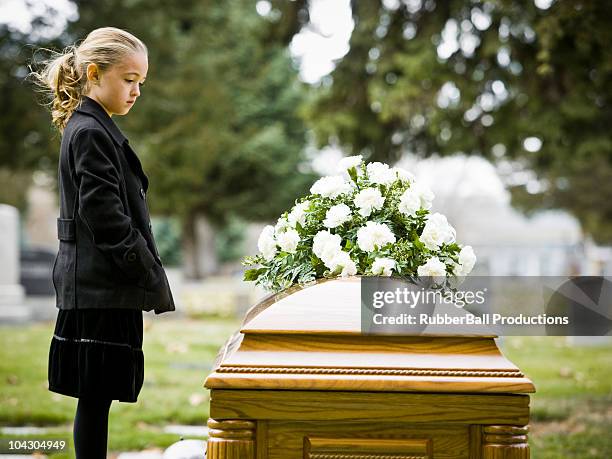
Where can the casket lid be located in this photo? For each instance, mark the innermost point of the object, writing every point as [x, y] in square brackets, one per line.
[309, 338]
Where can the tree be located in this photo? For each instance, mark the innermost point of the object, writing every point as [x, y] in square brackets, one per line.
[27, 139]
[527, 88]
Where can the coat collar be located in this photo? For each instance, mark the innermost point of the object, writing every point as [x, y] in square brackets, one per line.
[90, 107]
[93, 108]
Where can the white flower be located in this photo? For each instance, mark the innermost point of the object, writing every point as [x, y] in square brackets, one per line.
[368, 200]
[343, 260]
[425, 194]
[437, 231]
[403, 174]
[410, 202]
[467, 260]
[337, 215]
[380, 173]
[331, 186]
[288, 240]
[348, 162]
[266, 243]
[433, 267]
[282, 224]
[298, 214]
[374, 235]
[383, 266]
[325, 245]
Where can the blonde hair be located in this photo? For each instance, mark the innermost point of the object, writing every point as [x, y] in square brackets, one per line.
[63, 78]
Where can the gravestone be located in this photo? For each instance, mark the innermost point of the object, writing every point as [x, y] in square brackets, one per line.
[11, 292]
[36, 273]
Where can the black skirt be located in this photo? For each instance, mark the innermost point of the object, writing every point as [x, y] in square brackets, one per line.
[97, 353]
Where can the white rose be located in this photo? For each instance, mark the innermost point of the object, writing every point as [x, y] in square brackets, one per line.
[433, 267]
[343, 260]
[368, 200]
[374, 235]
[437, 231]
[467, 260]
[337, 215]
[348, 162]
[325, 245]
[266, 243]
[409, 203]
[403, 175]
[425, 194]
[331, 186]
[298, 214]
[380, 173]
[383, 266]
[288, 240]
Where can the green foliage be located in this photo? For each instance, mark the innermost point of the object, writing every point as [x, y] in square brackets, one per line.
[167, 233]
[27, 140]
[229, 240]
[548, 74]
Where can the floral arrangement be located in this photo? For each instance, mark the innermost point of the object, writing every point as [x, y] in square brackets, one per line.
[371, 220]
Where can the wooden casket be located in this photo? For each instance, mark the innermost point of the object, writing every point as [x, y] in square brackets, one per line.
[300, 380]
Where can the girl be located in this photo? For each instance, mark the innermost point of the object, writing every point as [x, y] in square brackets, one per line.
[107, 270]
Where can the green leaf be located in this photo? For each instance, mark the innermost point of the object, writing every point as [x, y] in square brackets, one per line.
[253, 274]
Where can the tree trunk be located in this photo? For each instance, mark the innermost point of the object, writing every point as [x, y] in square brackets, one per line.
[188, 245]
[198, 244]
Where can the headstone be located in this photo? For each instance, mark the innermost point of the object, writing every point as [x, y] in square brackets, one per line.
[36, 273]
[11, 292]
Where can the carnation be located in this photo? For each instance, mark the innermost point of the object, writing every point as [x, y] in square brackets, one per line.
[368, 200]
[282, 224]
[467, 260]
[373, 236]
[437, 231]
[433, 267]
[403, 174]
[380, 173]
[325, 245]
[298, 214]
[409, 203]
[342, 260]
[337, 215]
[383, 266]
[266, 243]
[331, 186]
[288, 240]
[349, 162]
[425, 194]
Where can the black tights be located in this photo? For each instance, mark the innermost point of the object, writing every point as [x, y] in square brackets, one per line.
[91, 428]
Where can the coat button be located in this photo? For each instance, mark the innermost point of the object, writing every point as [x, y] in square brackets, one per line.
[131, 256]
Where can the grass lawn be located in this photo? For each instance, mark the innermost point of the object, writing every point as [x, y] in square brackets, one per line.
[178, 357]
[571, 412]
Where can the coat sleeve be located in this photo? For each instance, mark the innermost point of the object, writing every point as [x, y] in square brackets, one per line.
[101, 208]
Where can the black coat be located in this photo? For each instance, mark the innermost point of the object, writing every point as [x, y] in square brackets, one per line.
[107, 256]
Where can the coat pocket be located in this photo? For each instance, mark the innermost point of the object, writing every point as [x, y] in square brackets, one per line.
[64, 268]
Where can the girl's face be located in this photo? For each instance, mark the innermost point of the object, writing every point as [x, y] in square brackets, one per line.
[117, 88]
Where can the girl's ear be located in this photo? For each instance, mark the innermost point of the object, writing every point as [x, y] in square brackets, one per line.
[93, 74]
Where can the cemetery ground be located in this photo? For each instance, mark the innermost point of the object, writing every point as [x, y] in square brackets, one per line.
[571, 411]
